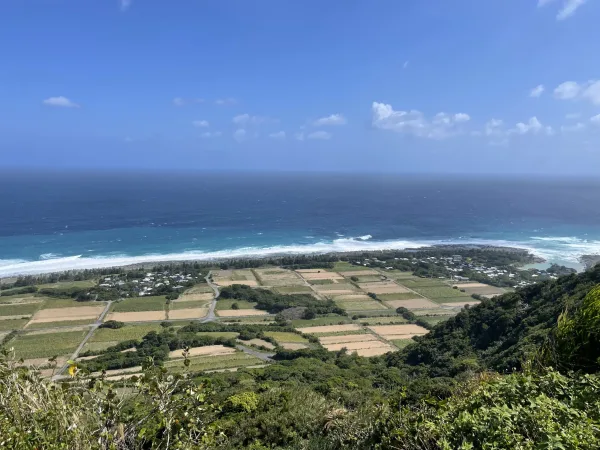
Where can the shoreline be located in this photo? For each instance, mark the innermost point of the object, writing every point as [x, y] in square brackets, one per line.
[216, 260]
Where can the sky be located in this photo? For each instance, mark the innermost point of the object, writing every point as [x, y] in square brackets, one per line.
[406, 86]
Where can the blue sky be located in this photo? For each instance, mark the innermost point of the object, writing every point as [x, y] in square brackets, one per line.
[495, 86]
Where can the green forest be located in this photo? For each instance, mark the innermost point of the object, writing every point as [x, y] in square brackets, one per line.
[520, 371]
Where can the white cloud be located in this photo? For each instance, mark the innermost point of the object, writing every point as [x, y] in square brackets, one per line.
[178, 101]
[573, 116]
[441, 126]
[533, 126]
[299, 136]
[277, 135]
[225, 101]
[572, 90]
[567, 90]
[569, 8]
[125, 4]
[211, 134]
[322, 135]
[595, 120]
[240, 135]
[537, 91]
[571, 128]
[201, 123]
[247, 119]
[405, 65]
[494, 127]
[333, 119]
[61, 101]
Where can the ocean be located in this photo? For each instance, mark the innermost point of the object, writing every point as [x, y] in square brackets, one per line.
[59, 221]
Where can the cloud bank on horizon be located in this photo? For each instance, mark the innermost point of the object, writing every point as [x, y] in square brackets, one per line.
[461, 79]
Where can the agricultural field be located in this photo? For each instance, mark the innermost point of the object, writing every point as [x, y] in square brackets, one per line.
[57, 324]
[278, 277]
[319, 274]
[398, 296]
[363, 344]
[223, 334]
[327, 320]
[415, 303]
[68, 284]
[227, 361]
[382, 320]
[128, 332]
[395, 332]
[481, 289]
[366, 305]
[383, 287]
[460, 303]
[286, 337]
[259, 343]
[226, 303]
[186, 304]
[300, 289]
[49, 316]
[229, 277]
[187, 313]
[12, 324]
[445, 292]
[330, 328]
[241, 312]
[33, 345]
[19, 309]
[136, 304]
[342, 266]
[207, 350]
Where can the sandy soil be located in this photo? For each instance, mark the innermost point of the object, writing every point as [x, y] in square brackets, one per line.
[330, 328]
[326, 340]
[293, 345]
[259, 343]
[322, 276]
[355, 345]
[461, 304]
[414, 303]
[41, 362]
[230, 282]
[62, 330]
[367, 352]
[240, 312]
[111, 373]
[388, 330]
[191, 313]
[74, 313]
[360, 273]
[141, 316]
[222, 273]
[195, 297]
[209, 350]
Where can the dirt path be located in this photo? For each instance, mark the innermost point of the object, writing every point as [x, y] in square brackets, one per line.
[85, 339]
[211, 310]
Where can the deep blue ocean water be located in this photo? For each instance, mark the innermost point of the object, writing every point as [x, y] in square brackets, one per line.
[73, 220]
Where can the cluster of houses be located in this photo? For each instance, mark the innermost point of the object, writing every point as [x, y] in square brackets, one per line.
[152, 283]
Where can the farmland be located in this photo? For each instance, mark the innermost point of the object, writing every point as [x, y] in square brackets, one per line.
[46, 345]
[138, 304]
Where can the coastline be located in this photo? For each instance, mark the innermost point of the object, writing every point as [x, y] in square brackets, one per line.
[156, 260]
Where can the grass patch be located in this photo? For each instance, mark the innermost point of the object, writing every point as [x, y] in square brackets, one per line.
[227, 302]
[292, 289]
[19, 310]
[434, 312]
[369, 278]
[139, 304]
[223, 334]
[342, 333]
[98, 346]
[328, 320]
[188, 305]
[281, 336]
[401, 343]
[47, 345]
[68, 284]
[124, 334]
[434, 320]
[382, 313]
[12, 324]
[337, 286]
[422, 283]
[457, 299]
[62, 323]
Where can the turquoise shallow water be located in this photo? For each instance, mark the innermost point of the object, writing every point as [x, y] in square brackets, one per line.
[54, 222]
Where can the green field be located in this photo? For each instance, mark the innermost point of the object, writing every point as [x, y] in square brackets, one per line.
[422, 283]
[286, 337]
[398, 296]
[67, 303]
[342, 333]
[64, 323]
[138, 304]
[455, 299]
[329, 320]
[434, 312]
[190, 304]
[342, 266]
[46, 345]
[199, 289]
[317, 282]
[68, 284]
[293, 289]
[124, 334]
[435, 293]
[197, 364]
[226, 304]
[12, 324]
[361, 306]
[19, 310]
[368, 278]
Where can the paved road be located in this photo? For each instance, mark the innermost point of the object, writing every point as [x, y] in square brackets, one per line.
[256, 353]
[211, 310]
[87, 336]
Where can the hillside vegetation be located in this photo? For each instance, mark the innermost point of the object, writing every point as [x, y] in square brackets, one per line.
[516, 372]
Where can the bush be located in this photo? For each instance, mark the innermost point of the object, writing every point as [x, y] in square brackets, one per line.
[372, 295]
[235, 306]
[114, 324]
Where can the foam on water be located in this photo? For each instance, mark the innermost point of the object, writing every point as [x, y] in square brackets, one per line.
[553, 249]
